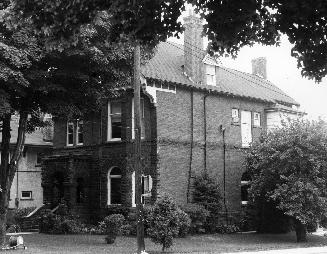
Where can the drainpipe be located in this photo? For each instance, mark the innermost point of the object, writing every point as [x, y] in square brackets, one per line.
[191, 152]
[205, 131]
[222, 130]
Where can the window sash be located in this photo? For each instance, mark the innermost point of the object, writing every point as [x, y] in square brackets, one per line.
[114, 121]
[70, 133]
[26, 195]
[256, 119]
[79, 132]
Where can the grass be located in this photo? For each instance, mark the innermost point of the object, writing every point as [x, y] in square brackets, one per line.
[46, 244]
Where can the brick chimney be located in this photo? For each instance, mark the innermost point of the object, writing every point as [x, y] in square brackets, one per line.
[193, 48]
[259, 67]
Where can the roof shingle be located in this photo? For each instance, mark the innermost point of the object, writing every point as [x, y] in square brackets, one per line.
[167, 64]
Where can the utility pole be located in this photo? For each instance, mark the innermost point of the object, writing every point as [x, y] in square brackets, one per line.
[137, 150]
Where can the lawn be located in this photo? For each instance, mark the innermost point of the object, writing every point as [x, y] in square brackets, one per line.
[46, 244]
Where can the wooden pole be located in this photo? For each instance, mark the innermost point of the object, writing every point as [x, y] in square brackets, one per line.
[137, 150]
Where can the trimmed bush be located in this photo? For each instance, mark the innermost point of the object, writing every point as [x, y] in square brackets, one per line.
[207, 193]
[164, 222]
[112, 226]
[184, 223]
[198, 215]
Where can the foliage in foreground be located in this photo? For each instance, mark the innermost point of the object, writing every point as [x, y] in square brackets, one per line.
[207, 194]
[166, 222]
[289, 167]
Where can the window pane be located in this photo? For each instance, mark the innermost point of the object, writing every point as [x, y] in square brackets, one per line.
[115, 108]
[80, 132]
[115, 171]
[70, 133]
[116, 127]
[115, 191]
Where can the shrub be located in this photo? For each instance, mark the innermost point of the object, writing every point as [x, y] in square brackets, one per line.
[16, 216]
[112, 226]
[207, 193]
[198, 215]
[227, 229]
[118, 209]
[184, 223]
[164, 222]
[50, 223]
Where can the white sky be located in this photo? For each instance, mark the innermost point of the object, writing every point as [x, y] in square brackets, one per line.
[282, 71]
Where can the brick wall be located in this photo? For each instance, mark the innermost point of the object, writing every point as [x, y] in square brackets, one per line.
[174, 146]
[100, 156]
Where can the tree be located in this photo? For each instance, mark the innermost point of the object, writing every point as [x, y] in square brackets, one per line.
[70, 81]
[289, 168]
[230, 24]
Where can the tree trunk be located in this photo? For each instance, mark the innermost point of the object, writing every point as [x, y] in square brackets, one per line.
[8, 169]
[301, 231]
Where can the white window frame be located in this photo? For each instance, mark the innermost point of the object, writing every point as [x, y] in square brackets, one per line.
[142, 120]
[79, 122]
[26, 198]
[109, 177]
[109, 127]
[146, 193]
[67, 133]
[235, 115]
[210, 73]
[256, 121]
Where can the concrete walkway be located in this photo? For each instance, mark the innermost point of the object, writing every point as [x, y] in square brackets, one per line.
[310, 250]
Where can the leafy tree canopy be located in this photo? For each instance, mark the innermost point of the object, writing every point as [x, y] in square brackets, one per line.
[289, 168]
[230, 24]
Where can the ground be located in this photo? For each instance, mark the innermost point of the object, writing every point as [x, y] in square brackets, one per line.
[73, 244]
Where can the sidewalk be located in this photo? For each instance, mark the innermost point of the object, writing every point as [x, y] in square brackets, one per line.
[310, 250]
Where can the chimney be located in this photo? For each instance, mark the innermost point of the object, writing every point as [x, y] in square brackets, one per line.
[259, 67]
[193, 47]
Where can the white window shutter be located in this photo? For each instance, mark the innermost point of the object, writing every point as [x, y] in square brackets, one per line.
[246, 130]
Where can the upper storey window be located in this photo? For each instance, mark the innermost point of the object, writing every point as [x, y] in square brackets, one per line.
[75, 128]
[211, 74]
[79, 133]
[70, 133]
[114, 121]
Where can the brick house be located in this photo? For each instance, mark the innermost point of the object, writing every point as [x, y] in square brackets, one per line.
[197, 116]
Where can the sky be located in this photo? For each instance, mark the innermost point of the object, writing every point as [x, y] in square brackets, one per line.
[283, 72]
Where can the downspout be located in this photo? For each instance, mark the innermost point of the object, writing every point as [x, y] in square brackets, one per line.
[191, 152]
[205, 132]
[224, 172]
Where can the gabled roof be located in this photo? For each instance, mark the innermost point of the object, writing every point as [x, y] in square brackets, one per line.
[33, 139]
[167, 64]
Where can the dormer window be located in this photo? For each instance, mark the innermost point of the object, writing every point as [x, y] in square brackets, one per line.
[211, 74]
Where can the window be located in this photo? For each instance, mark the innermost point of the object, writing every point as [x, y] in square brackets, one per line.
[246, 129]
[114, 120]
[235, 115]
[79, 132]
[38, 158]
[70, 133]
[114, 186]
[245, 185]
[26, 195]
[256, 119]
[75, 127]
[146, 188]
[142, 119]
[211, 74]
